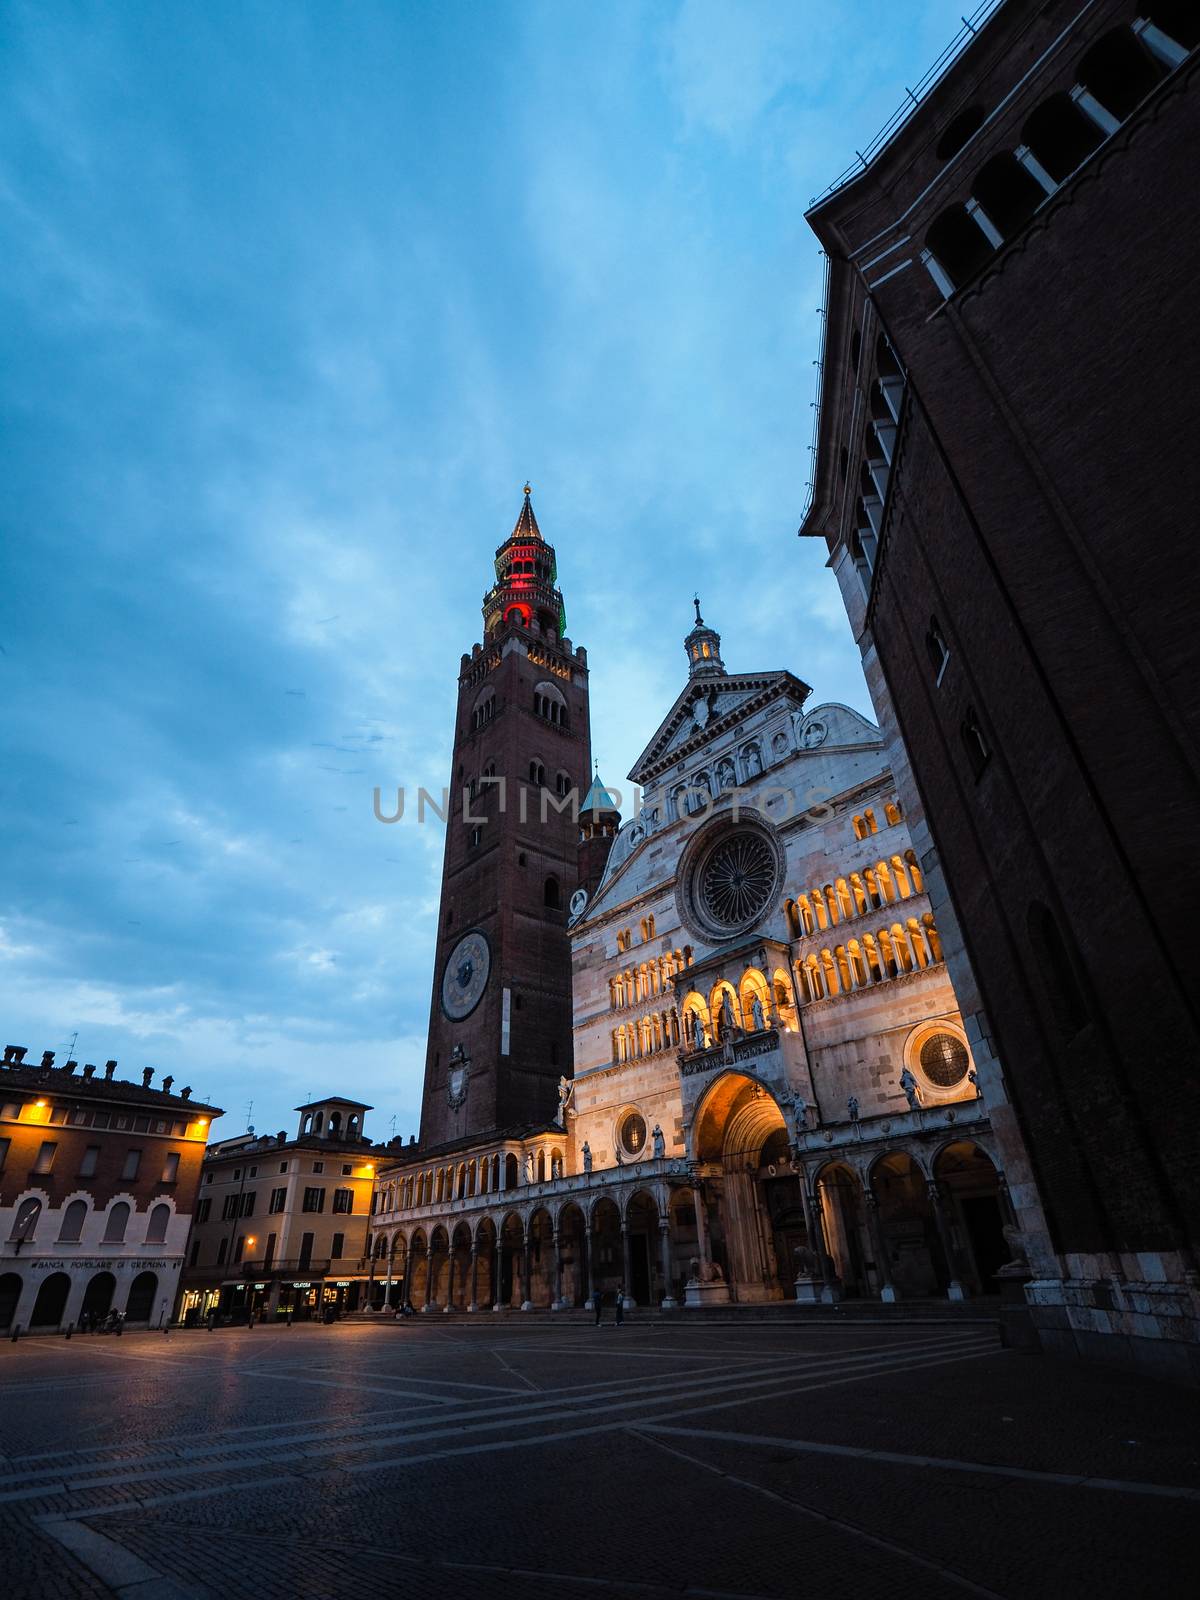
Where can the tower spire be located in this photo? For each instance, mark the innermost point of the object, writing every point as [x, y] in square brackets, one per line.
[703, 646]
[525, 594]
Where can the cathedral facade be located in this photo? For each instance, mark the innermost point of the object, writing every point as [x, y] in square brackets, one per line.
[768, 1091]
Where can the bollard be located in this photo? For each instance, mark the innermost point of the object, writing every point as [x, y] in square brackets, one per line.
[16, 1333]
[70, 1329]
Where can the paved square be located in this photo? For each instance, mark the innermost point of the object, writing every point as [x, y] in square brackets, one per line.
[545, 1457]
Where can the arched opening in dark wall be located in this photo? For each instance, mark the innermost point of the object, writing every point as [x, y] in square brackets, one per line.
[1008, 192]
[140, 1305]
[51, 1300]
[98, 1296]
[1120, 72]
[1060, 136]
[10, 1295]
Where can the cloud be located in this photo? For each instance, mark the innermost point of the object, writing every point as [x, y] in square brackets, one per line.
[290, 310]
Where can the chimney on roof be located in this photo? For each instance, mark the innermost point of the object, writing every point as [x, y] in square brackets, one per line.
[109, 1068]
[281, 1137]
[412, 1138]
[70, 1066]
[19, 1053]
[47, 1058]
[167, 1082]
[185, 1092]
[89, 1069]
[147, 1074]
[9, 1051]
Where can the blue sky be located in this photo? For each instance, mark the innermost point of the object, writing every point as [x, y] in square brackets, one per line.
[295, 296]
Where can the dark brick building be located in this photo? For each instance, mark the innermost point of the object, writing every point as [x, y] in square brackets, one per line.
[500, 1015]
[98, 1181]
[1002, 476]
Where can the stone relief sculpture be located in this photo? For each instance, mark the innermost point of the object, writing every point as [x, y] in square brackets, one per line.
[912, 1092]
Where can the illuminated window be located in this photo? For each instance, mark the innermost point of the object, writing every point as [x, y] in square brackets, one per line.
[944, 1060]
[632, 1133]
[170, 1172]
[343, 1200]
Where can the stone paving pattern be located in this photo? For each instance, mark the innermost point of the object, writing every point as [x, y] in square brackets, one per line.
[546, 1458]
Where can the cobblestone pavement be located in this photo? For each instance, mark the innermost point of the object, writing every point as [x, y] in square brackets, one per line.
[522, 1455]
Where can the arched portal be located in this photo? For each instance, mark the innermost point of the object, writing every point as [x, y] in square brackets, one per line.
[970, 1185]
[909, 1227]
[740, 1129]
[439, 1269]
[643, 1255]
[10, 1294]
[512, 1245]
[397, 1293]
[98, 1295]
[844, 1220]
[51, 1300]
[572, 1245]
[541, 1259]
[485, 1263]
[458, 1292]
[140, 1305]
[418, 1270]
[607, 1259]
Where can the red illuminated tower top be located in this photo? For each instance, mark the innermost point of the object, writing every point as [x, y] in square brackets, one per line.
[526, 574]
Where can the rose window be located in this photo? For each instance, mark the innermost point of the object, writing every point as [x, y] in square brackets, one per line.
[737, 879]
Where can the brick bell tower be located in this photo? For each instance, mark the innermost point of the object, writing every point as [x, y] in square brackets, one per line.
[500, 1017]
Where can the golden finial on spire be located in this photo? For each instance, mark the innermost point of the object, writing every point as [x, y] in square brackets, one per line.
[528, 490]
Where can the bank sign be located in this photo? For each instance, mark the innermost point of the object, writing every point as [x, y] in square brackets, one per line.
[109, 1263]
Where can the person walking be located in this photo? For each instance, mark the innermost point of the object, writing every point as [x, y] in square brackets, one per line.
[597, 1305]
[620, 1304]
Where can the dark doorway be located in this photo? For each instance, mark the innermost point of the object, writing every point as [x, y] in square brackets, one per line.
[639, 1266]
[140, 1305]
[984, 1224]
[98, 1298]
[51, 1301]
[10, 1294]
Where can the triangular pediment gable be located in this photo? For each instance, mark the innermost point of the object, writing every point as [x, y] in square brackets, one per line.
[705, 709]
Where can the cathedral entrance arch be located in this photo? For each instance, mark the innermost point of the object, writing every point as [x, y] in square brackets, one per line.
[458, 1286]
[740, 1131]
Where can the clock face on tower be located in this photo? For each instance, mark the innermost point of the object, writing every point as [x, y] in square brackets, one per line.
[466, 975]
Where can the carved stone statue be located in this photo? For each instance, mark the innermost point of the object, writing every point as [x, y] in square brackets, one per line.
[587, 1156]
[852, 1107]
[697, 1031]
[1015, 1240]
[566, 1089]
[530, 1167]
[807, 1265]
[726, 1015]
[660, 1144]
[556, 1166]
[973, 1080]
[798, 1109]
[912, 1092]
[760, 1020]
